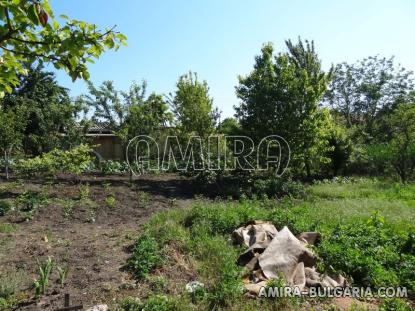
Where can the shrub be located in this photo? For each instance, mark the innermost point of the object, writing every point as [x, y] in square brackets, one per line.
[146, 256]
[113, 167]
[29, 202]
[5, 207]
[223, 218]
[372, 254]
[74, 161]
[277, 187]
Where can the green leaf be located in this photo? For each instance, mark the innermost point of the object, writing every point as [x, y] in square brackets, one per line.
[85, 75]
[2, 13]
[55, 25]
[32, 14]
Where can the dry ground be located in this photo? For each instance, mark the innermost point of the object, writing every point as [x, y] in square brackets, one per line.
[93, 251]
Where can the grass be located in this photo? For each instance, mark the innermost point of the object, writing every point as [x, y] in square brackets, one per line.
[11, 282]
[8, 228]
[367, 223]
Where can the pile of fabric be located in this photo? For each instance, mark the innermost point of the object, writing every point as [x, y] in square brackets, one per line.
[272, 254]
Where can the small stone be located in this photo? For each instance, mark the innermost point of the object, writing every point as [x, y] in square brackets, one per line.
[98, 308]
[193, 286]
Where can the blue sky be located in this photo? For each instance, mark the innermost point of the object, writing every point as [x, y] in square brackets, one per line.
[218, 39]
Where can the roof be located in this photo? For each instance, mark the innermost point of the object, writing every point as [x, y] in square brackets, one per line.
[100, 128]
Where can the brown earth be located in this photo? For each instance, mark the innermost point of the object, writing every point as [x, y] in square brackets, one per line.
[94, 251]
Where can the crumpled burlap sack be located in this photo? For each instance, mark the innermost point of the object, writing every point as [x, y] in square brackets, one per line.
[272, 254]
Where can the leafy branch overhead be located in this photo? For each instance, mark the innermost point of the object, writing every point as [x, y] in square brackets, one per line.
[29, 32]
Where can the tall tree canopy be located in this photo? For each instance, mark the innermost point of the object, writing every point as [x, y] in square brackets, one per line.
[129, 113]
[365, 91]
[47, 106]
[193, 106]
[281, 96]
[29, 32]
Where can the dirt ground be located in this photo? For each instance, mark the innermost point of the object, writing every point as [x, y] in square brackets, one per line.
[94, 251]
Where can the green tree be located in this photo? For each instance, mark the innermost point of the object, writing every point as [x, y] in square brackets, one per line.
[129, 113]
[363, 92]
[11, 133]
[29, 33]
[49, 109]
[229, 126]
[397, 149]
[281, 96]
[193, 106]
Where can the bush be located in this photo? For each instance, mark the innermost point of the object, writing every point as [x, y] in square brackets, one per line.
[223, 218]
[277, 187]
[5, 207]
[372, 254]
[146, 256]
[74, 161]
[113, 167]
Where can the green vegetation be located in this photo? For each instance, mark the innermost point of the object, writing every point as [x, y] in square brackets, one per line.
[29, 202]
[367, 223]
[154, 303]
[5, 206]
[67, 207]
[11, 282]
[111, 201]
[62, 273]
[350, 120]
[44, 273]
[7, 228]
[84, 191]
[22, 42]
[146, 256]
[143, 199]
[74, 161]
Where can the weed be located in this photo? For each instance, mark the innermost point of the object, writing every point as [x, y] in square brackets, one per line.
[153, 303]
[143, 199]
[110, 201]
[67, 207]
[84, 192]
[11, 281]
[5, 207]
[7, 228]
[395, 304]
[29, 202]
[157, 283]
[62, 273]
[146, 256]
[44, 272]
[107, 187]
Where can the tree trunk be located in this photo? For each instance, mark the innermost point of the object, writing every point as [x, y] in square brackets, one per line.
[308, 168]
[6, 159]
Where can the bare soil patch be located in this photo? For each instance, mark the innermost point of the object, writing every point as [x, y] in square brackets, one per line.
[94, 250]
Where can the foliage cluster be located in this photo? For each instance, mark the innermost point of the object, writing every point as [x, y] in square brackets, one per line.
[73, 161]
